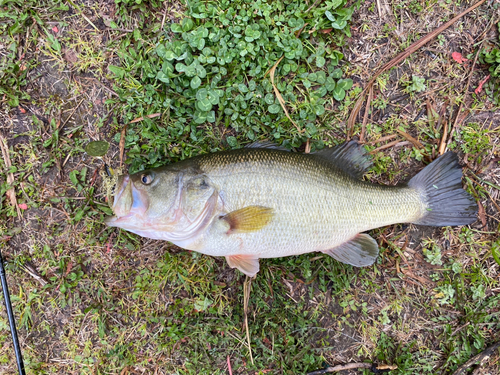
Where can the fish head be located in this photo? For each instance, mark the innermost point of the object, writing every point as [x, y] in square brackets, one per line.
[144, 200]
[164, 203]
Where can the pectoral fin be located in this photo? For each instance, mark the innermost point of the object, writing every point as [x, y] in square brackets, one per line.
[361, 251]
[247, 264]
[248, 219]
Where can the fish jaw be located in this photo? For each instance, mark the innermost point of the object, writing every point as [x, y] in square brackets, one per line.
[129, 206]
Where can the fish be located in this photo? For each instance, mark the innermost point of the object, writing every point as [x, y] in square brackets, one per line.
[263, 201]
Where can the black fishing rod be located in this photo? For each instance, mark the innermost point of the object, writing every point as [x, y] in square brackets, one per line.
[12, 322]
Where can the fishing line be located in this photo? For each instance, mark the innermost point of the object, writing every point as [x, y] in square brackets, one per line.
[12, 322]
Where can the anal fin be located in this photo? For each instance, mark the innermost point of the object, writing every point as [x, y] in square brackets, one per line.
[360, 251]
[248, 264]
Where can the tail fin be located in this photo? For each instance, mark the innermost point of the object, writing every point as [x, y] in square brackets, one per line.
[440, 184]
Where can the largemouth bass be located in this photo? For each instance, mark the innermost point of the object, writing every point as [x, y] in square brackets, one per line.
[262, 202]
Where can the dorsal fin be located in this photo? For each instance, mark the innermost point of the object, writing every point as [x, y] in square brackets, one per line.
[266, 144]
[351, 157]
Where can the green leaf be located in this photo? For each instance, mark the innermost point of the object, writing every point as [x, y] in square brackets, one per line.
[274, 108]
[195, 82]
[329, 15]
[200, 117]
[187, 24]
[334, 4]
[231, 141]
[169, 55]
[337, 73]
[330, 84]
[269, 98]
[320, 61]
[176, 28]
[204, 105]
[338, 94]
[344, 84]
[97, 148]
[73, 178]
[117, 71]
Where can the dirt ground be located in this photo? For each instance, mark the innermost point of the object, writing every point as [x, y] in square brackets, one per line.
[48, 250]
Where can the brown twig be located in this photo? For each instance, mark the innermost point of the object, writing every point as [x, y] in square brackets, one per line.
[390, 144]
[308, 147]
[278, 94]
[153, 115]
[396, 60]
[247, 287]
[481, 358]
[367, 111]
[121, 145]
[11, 193]
[415, 142]
[442, 144]
[351, 366]
[312, 6]
[383, 139]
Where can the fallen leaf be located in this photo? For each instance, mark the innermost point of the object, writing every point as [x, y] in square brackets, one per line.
[70, 55]
[457, 56]
[482, 214]
[480, 86]
[326, 31]
[23, 206]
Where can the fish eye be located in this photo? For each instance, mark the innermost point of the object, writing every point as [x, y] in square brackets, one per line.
[146, 179]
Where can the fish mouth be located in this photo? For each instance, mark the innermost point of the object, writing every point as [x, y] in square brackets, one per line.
[128, 202]
[122, 201]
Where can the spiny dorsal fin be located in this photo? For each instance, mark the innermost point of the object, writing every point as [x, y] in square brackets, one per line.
[247, 264]
[361, 251]
[266, 144]
[351, 157]
[248, 219]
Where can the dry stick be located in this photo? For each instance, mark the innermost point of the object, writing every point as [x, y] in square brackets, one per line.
[403, 55]
[121, 145]
[481, 357]
[390, 144]
[352, 366]
[383, 139]
[378, 8]
[246, 296]
[164, 16]
[11, 193]
[153, 115]
[415, 142]
[278, 94]
[312, 6]
[365, 118]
